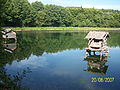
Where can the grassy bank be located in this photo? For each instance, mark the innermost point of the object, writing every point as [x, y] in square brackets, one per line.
[63, 28]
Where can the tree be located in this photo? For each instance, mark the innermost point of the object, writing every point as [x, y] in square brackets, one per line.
[57, 16]
[3, 3]
[40, 19]
[38, 6]
[20, 13]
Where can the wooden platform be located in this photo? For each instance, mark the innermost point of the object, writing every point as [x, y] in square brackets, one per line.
[97, 49]
[97, 42]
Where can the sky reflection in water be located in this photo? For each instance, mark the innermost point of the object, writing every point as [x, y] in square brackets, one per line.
[65, 70]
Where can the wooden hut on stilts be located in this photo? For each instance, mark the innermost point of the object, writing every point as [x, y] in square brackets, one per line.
[97, 42]
[8, 34]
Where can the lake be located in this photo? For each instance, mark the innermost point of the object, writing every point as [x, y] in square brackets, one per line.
[56, 61]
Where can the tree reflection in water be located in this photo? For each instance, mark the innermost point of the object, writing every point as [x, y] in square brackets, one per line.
[37, 43]
[12, 82]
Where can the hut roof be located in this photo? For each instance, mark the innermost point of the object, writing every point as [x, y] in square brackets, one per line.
[97, 35]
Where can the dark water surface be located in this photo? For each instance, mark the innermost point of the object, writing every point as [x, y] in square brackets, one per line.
[56, 61]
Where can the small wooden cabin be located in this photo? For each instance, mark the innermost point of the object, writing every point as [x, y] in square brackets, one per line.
[8, 33]
[97, 41]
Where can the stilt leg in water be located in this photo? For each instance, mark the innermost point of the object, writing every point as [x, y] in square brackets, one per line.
[86, 53]
[106, 53]
[94, 52]
[101, 55]
[89, 53]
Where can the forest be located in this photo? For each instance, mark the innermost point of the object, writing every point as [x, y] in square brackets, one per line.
[21, 13]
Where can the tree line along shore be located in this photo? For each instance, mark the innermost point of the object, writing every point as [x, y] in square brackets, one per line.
[21, 13]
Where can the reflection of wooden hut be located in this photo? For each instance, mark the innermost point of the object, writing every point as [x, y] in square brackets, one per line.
[8, 33]
[97, 41]
[95, 65]
[96, 58]
[10, 47]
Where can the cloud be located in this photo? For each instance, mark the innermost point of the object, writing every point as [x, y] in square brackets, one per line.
[33, 62]
[115, 7]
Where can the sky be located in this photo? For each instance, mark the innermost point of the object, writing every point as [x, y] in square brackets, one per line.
[100, 4]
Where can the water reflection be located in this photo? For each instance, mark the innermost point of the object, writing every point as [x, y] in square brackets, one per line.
[55, 61]
[96, 65]
[10, 47]
[12, 82]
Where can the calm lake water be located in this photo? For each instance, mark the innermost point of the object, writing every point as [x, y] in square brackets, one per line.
[56, 61]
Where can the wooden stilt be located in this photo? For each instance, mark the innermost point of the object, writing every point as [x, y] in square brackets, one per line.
[86, 54]
[106, 53]
[5, 41]
[94, 52]
[89, 53]
[101, 55]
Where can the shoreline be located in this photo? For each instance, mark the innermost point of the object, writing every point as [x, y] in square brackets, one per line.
[63, 28]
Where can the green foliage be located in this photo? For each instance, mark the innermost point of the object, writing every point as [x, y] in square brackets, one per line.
[40, 18]
[94, 17]
[3, 3]
[20, 13]
[57, 16]
[11, 82]
[38, 6]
